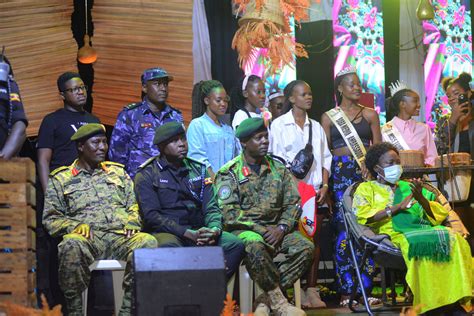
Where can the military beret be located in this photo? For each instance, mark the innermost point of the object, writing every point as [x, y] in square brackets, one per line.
[248, 127]
[88, 130]
[155, 73]
[166, 131]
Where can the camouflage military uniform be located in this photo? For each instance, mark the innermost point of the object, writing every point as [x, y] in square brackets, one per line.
[250, 203]
[131, 143]
[103, 199]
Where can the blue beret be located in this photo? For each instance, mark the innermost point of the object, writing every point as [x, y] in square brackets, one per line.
[87, 131]
[155, 73]
[248, 127]
[167, 131]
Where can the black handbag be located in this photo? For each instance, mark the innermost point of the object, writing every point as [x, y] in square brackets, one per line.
[303, 161]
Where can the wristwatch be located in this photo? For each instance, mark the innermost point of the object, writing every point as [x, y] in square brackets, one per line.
[283, 227]
[388, 211]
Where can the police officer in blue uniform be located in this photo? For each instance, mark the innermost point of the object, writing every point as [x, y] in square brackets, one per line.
[131, 143]
[177, 200]
[13, 120]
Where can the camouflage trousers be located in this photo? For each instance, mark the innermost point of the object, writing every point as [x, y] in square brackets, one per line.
[268, 273]
[76, 254]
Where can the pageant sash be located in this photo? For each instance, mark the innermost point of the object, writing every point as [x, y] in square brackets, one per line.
[349, 134]
[390, 133]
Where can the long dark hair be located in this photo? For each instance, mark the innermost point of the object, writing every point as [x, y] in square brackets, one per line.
[201, 90]
[237, 99]
[288, 91]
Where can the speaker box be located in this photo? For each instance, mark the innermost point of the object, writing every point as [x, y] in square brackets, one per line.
[179, 281]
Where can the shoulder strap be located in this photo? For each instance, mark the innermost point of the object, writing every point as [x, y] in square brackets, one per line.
[310, 140]
[132, 106]
[348, 133]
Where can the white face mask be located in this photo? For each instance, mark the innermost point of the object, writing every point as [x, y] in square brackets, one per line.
[392, 173]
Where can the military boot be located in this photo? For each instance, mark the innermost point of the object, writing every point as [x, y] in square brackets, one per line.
[280, 305]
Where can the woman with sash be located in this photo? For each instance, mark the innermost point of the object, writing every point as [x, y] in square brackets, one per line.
[403, 131]
[289, 134]
[438, 259]
[247, 99]
[350, 129]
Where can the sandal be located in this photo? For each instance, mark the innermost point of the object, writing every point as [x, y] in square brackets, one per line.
[345, 303]
[373, 301]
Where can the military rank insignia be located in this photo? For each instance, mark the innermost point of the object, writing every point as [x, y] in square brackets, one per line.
[207, 181]
[224, 192]
[146, 125]
[15, 97]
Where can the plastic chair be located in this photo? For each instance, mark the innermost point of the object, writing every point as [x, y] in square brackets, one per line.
[118, 271]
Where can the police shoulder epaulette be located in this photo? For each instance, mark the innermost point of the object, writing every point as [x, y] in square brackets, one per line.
[278, 159]
[112, 163]
[132, 106]
[58, 170]
[146, 163]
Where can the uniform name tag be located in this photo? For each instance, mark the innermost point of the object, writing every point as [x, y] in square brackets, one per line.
[243, 180]
[163, 181]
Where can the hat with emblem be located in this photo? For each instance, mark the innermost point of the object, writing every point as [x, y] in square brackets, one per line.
[87, 131]
[155, 73]
[167, 131]
[249, 126]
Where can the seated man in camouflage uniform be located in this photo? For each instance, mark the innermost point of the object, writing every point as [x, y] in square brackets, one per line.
[260, 204]
[177, 199]
[92, 206]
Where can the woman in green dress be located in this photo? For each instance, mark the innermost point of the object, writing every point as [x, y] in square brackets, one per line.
[438, 259]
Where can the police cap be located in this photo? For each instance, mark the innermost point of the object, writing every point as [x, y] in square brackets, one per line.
[167, 131]
[155, 73]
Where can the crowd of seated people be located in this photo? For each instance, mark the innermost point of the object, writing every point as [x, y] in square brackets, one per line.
[232, 186]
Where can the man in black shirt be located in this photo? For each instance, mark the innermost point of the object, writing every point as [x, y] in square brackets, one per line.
[177, 200]
[13, 121]
[55, 149]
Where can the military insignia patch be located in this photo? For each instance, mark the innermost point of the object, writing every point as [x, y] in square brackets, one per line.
[224, 192]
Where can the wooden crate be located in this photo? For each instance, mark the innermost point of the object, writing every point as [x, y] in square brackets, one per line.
[17, 170]
[17, 231]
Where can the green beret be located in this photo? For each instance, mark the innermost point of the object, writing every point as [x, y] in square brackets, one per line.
[167, 131]
[248, 127]
[88, 130]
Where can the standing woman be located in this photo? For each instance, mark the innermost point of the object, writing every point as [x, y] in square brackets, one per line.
[403, 131]
[361, 128]
[455, 133]
[247, 99]
[210, 140]
[290, 134]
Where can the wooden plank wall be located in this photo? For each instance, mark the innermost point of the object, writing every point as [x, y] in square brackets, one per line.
[40, 46]
[132, 35]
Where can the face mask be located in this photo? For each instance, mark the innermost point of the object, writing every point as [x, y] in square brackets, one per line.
[392, 173]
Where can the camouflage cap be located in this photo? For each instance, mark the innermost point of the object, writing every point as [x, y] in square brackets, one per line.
[249, 126]
[155, 73]
[167, 131]
[87, 131]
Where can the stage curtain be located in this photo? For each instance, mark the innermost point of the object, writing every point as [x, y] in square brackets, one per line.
[39, 44]
[222, 27]
[131, 36]
[201, 43]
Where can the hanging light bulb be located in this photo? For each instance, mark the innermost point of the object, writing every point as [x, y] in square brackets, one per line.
[86, 54]
[425, 10]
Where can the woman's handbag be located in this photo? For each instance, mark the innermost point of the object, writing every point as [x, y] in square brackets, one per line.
[303, 160]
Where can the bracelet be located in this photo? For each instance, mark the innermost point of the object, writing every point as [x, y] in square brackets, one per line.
[388, 211]
[325, 185]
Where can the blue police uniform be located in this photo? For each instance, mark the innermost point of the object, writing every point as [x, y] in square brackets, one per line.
[11, 108]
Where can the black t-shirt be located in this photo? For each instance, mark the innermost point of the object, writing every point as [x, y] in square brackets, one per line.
[55, 132]
[11, 108]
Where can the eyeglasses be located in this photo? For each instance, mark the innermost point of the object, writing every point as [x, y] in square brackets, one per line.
[76, 89]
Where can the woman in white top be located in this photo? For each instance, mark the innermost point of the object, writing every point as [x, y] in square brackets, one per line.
[247, 99]
[290, 134]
